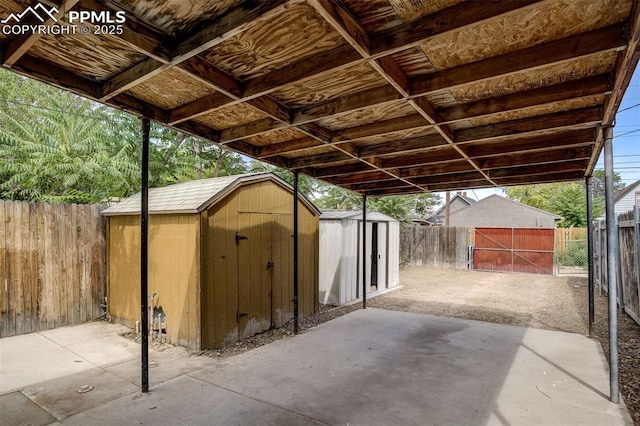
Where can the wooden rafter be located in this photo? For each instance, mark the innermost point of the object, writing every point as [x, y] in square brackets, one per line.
[435, 111]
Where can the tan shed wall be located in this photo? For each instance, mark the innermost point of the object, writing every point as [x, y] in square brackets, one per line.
[235, 276]
[174, 272]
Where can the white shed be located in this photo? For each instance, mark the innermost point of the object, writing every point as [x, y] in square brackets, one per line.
[340, 253]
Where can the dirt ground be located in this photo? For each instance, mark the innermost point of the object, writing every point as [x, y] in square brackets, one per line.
[554, 303]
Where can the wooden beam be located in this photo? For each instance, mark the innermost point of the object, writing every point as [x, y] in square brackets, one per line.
[244, 147]
[316, 160]
[448, 178]
[459, 186]
[567, 49]
[392, 72]
[51, 73]
[198, 130]
[272, 107]
[363, 177]
[288, 146]
[133, 76]
[235, 21]
[436, 155]
[348, 103]
[253, 128]
[341, 19]
[381, 127]
[572, 118]
[392, 183]
[343, 169]
[407, 190]
[539, 169]
[625, 66]
[560, 176]
[450, 19]
[437, 168]
[549, 156]
[211, 75]
[139, 107]
[198, 107]
[135, 34]
[331, 60]
[316, 131]
[555, 93]
[18, 46]
[531, 143]
[419, 143]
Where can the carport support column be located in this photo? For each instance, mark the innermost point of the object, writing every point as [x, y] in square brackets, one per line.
[296, 324]
[364, 251]
[144, 247]
[589, 193]
[612, 242]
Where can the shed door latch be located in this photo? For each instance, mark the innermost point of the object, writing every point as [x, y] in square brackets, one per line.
[241, 315]
[240, 237]
[269, 264]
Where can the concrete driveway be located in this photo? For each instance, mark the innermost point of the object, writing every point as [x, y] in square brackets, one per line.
[372, 367]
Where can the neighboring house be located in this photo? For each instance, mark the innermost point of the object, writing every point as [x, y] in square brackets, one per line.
[627, 198]
[501, 212]
[457, 202]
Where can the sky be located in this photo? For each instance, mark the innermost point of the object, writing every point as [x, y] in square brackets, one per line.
[626, 141]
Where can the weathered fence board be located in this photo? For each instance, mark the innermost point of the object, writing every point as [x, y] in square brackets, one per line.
[628, 275]
[436, 246]
[52, 265]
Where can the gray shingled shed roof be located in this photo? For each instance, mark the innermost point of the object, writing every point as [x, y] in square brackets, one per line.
[193, 196]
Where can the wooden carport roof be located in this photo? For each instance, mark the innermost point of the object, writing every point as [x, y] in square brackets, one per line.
[377, 96]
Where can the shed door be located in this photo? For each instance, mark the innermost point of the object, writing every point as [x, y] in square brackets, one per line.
[255, 266]
[383, 240]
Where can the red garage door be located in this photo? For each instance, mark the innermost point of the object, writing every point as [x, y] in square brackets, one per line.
[527, 250]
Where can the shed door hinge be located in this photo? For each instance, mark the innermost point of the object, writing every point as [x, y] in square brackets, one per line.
[240, 237]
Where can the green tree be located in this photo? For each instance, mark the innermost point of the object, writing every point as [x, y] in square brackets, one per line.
[597, 183]
[58, 147]
[61, 157]
[566, 199]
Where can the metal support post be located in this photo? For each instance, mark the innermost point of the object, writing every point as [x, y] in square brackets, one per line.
[144, 255]
[589, 193]
[364, 251]
[612, 241]
[296, 319]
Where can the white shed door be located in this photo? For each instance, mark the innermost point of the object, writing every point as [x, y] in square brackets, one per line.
[383, 258]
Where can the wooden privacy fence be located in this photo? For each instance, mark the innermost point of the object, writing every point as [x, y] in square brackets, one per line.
[52, 265]
[628, 268]
[436, 246]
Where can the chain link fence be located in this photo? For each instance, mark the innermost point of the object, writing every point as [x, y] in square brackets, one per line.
[571, 250]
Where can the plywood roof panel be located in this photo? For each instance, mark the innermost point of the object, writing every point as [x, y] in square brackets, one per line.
[296, 34]
[374, 95]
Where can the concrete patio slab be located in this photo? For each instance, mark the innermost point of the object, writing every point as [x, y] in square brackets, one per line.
[372, 367]
[27, 359]
[188, 401]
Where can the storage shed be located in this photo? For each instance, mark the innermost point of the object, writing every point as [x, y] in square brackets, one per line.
[220, 258]
[341, 255]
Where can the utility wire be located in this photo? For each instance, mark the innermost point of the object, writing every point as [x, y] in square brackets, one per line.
[628, 108]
